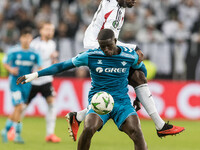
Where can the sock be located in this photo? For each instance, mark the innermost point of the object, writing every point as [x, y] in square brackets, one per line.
[50, 119]
[18, 128]
[9, 124]
[145, 97]
[81, 115]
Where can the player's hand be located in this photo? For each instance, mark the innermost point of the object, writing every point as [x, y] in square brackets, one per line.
[141, 56]
[14, 71]
[27, 78]
[137, 104]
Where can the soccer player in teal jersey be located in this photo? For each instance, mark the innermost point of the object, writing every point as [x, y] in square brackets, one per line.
[19, 61]
[109, 68]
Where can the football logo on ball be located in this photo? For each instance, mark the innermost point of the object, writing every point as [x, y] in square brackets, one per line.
[102, 103]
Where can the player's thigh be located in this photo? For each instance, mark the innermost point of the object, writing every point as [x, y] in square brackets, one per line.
[132, 128]
[25, 89]
[47, 91]
[131, 124]
[16, 94]
[95, 120]
[33, 92]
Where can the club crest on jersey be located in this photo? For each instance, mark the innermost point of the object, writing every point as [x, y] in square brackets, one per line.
[99, 61]
[32, 57]
[124, 63]
[115, 23]
[19, 56]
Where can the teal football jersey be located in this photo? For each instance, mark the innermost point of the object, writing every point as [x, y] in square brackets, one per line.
[23, 59]
[108, 74]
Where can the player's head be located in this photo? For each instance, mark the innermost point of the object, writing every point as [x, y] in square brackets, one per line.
[126, 3]
[47, 31]
[26, 37]
[107, 42]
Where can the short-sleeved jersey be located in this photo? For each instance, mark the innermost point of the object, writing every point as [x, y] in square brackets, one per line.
[23, 59]
[108, 73]
[45, 49]
[109, 15]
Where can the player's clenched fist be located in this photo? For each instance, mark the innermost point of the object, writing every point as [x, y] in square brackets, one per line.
[27, 78]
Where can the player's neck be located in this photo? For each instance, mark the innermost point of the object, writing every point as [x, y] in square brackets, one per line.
[44, 39]
[117, 51]
[24, 47]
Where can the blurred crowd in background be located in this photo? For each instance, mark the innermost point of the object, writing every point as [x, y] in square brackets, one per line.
[167, 31]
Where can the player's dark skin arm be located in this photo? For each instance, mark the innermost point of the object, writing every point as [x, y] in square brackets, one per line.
[141, 56]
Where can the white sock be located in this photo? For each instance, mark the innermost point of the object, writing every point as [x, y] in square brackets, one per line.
[81, 115]
[145, 97]
[50, 119]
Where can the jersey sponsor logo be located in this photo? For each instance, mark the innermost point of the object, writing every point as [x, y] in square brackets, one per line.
[111, 70]
[24, 63]
[115, 70]
[99, 69]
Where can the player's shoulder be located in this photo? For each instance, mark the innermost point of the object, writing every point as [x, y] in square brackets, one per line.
[14, 49]
[95, 51]
[33, 51]
[127, 52]
[37, 39]
[110, 4]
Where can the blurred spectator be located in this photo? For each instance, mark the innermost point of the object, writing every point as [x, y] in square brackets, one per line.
[71, 19]
[3, 4]
[130, 28]
[64, 42]
[170, 25]
[23, 20]
[181, 35]
[196, 53]
[46, 14]
[154, 24]
[79, 39]
[188, 13]
[9, 34]
[149, 33]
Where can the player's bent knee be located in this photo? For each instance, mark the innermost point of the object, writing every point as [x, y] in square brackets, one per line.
[50, 99]
[89, 131]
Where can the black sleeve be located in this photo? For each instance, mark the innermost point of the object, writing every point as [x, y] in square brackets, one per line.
[137, 48]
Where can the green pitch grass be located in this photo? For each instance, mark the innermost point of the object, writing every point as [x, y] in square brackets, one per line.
[110, 138]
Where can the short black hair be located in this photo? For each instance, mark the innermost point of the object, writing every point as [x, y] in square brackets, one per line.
[26, 30]
[105, 34]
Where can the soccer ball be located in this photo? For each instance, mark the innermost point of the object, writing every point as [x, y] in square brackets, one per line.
[102, 103]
